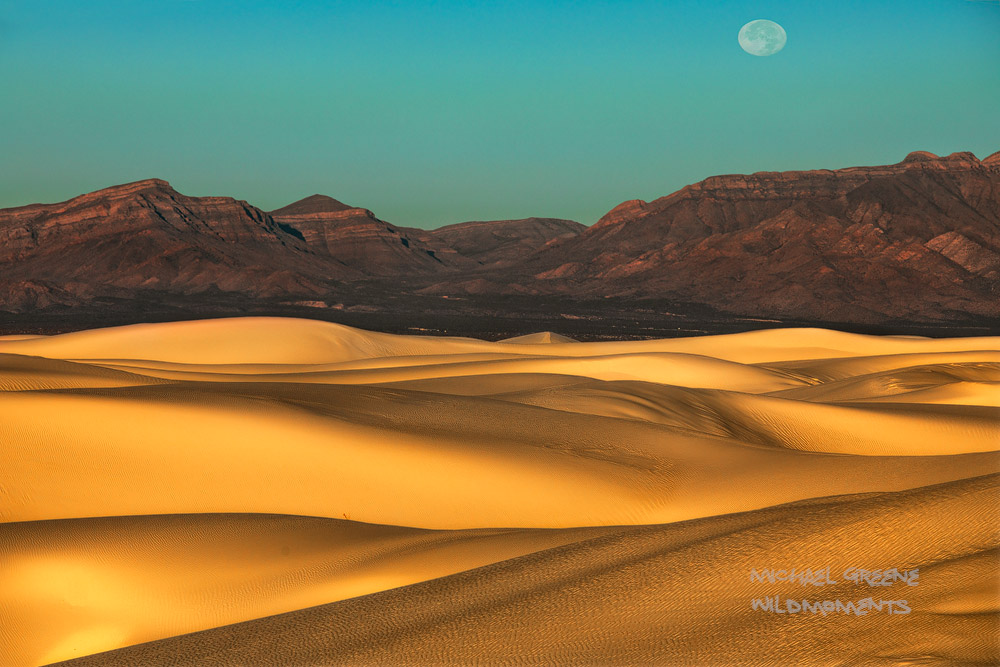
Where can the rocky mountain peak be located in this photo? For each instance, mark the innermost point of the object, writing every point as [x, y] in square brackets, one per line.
[311, 205]
[920, 156]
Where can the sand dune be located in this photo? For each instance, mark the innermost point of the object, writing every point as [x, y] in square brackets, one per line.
[825, 370]
[862, 429]
[541, 338]
[896, 384]
[74, 584]
[685, 370]
[384, 455]
[20, 373]
[266, 340]
[675, 594]
[576, 498]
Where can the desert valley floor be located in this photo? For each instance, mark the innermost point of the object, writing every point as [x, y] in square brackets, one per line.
[268, 491]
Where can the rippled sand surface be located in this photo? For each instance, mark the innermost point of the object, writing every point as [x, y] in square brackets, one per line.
[262, 491]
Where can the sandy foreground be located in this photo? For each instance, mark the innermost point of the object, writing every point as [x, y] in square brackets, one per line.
[265, 491]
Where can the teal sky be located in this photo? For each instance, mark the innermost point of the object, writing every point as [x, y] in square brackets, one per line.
[430, 112]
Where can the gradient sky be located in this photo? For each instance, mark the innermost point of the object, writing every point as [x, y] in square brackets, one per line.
[433, 112]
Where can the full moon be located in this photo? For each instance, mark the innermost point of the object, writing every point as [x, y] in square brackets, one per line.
[762, 37]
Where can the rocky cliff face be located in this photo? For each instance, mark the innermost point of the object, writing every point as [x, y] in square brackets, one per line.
[147, 236]
[918, 239]
[355, 237]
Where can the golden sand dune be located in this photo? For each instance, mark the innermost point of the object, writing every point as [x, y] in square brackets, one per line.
[268, 340]
[686, 370]
[155, 481]
[74, 584]
[384, 455]
[897, 383]
[876, 429]
[542, 337]
[676, 594]
[825, 370]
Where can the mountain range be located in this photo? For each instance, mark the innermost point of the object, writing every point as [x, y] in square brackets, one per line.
[915, 241]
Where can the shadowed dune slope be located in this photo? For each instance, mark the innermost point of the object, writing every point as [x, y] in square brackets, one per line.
[865, 428]
[379, 499]
[20, 373]
[387, 455]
